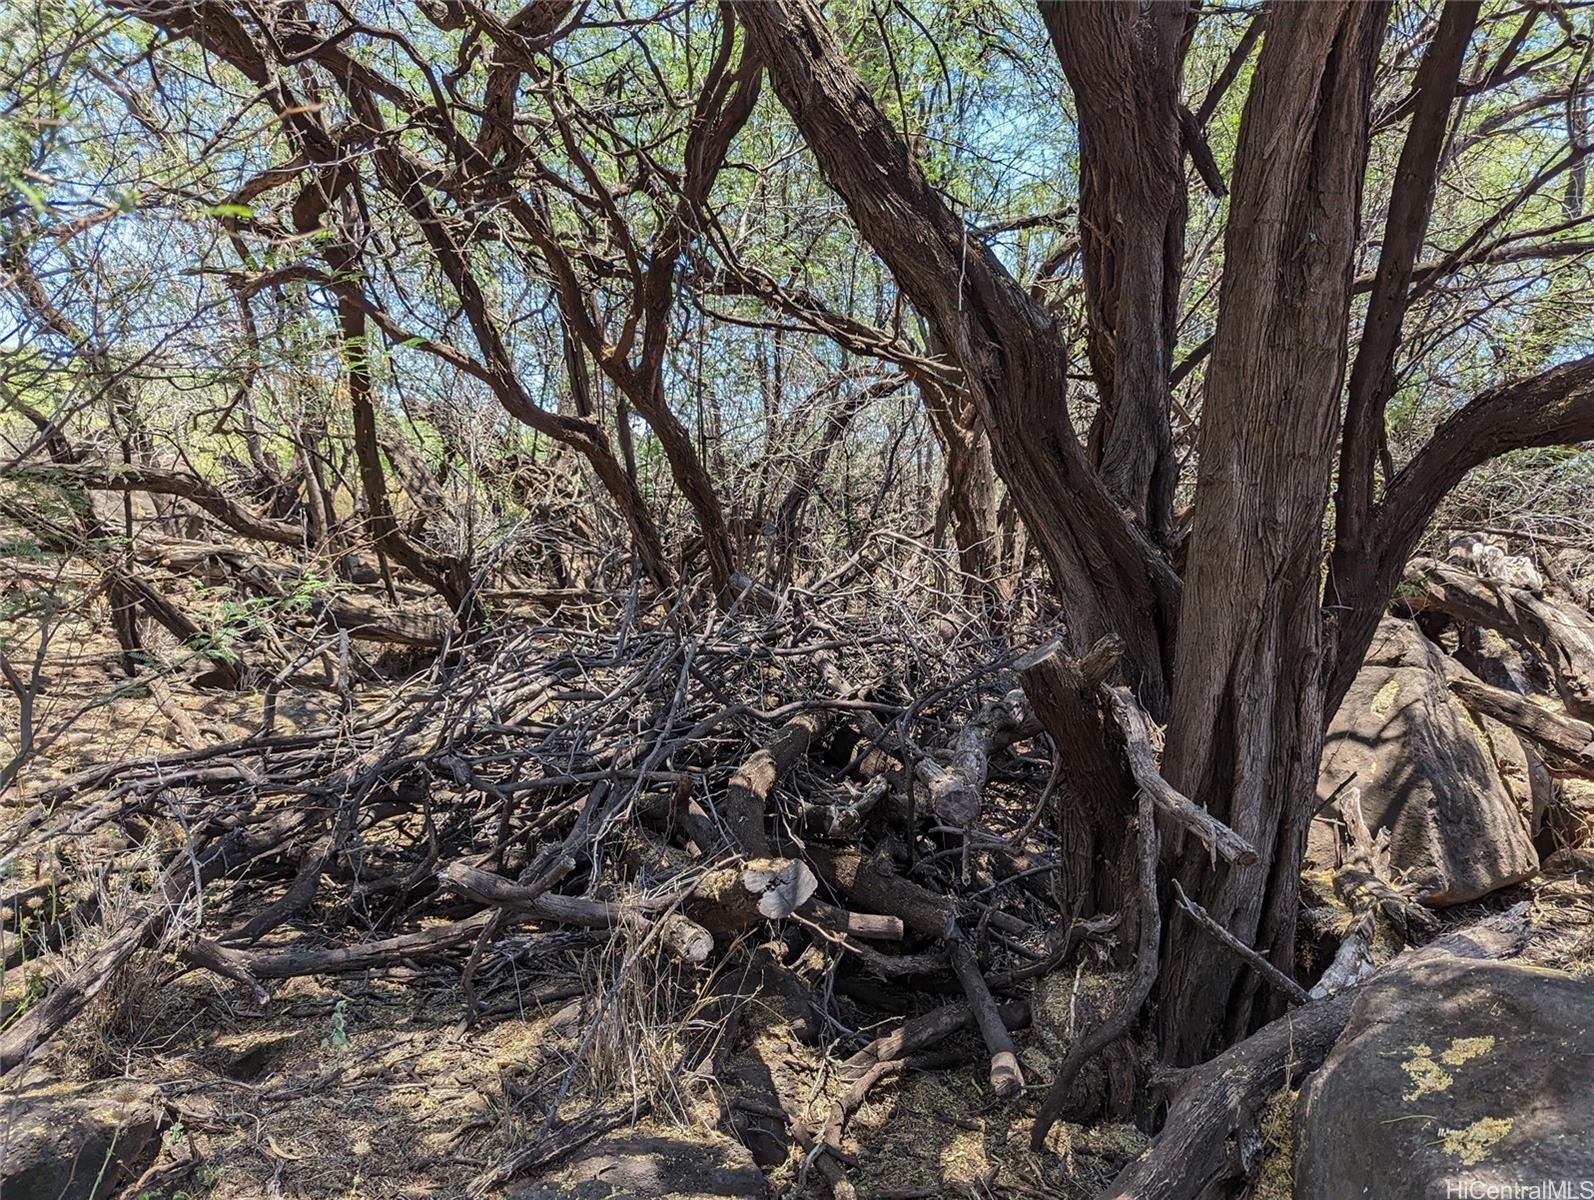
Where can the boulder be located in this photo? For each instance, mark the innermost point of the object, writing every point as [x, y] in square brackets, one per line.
[1494, 660]
[649, 1166]
[75, 1141]
[1426, 772]
[1451, 1078]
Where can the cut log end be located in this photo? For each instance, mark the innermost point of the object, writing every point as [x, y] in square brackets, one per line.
[1007, 1077]
[686, 940]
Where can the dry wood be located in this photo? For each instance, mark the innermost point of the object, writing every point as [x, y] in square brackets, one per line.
[1218, 838]
[1568, 744]
[1137, 990]
[285, 962]
[864, 925]
[927, 1029]
[684, 938]
[957, 791]
[1366, 884]
[1276, 979]
[1095, 787]
[1366, 880]
[875, 887]
[143, 928]
[1562, 633]
[746, 803]
[126, 477]
[1006, 1076]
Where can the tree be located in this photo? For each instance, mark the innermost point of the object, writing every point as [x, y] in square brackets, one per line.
[1237, 653]
[1219, 532]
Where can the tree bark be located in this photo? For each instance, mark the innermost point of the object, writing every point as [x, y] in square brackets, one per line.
[1372, 379]
[1554, 407]
[1246, 732]
[1108, 574]
[1123, 63]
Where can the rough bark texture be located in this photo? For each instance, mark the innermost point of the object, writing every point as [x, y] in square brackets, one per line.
[1123, 64]
[1561, 633]
[1248, 709]
[1097, 791]
[746, 802]
[1210, 1135]
[1373, 379]
[1007, 345]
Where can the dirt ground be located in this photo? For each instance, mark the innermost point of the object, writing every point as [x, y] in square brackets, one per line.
[374, 1085]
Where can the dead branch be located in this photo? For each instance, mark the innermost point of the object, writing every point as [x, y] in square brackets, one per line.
[1007, 1078]
[1276, 979]
[746, 802]
[1217, 837]
[1138, 990]
[143, 928]
[1562, 633]
[1568, 743]
[957, 791]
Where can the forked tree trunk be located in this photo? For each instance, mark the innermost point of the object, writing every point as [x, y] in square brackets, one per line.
[1246, 702]
[1247, 725]
[1235, 657]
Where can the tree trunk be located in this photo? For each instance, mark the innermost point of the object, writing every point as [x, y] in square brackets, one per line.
[1109, 575]
[971, 493]
[1123, 64]
[1247, 726]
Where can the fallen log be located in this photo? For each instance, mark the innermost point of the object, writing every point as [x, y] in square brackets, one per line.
[1567, 743]
[1007, 1077]
[875, 887]
[290, 961]
[730, 899]
[1562, 633]
[746, 800]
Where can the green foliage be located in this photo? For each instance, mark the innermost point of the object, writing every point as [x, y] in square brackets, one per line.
[152, 150]
[337, 1038]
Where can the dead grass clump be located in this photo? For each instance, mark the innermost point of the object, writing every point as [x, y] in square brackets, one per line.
[1275, 1179]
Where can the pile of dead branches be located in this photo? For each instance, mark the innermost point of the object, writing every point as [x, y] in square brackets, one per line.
[670, 783]
[835, 797]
